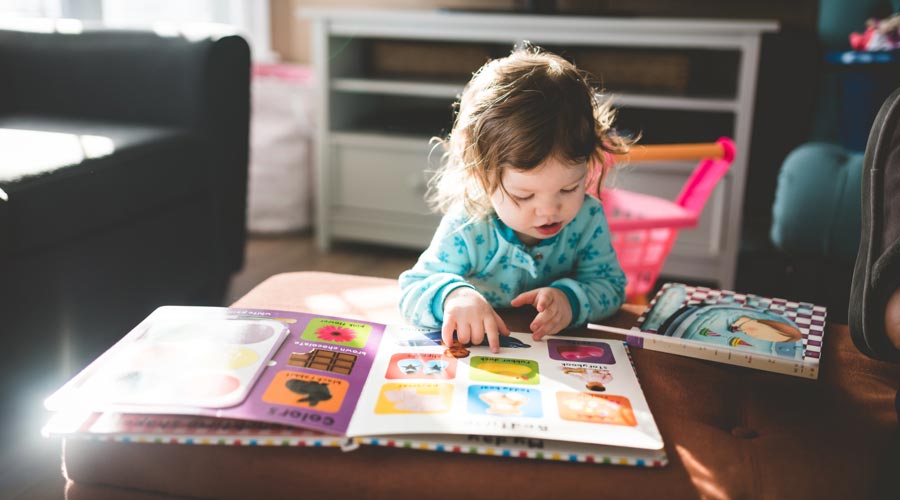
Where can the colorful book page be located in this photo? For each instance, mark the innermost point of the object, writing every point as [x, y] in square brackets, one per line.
[311, 377]
[181, 357]
[354, 378]
[565, 389]
[782, 329]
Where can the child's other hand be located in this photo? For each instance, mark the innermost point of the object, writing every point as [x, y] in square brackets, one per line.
[467, 312]
[554, 310]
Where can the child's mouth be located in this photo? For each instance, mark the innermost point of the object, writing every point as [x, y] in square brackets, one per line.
[549, 229]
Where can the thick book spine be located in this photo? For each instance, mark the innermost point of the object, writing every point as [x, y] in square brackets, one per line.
[181, 430]
[714, 353]
[523, 448]
[475, 445]
[220, 440]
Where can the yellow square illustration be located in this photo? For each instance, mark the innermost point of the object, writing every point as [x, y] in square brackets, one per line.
[414, 398]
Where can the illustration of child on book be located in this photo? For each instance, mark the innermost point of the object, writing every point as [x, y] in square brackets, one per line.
[730, 324]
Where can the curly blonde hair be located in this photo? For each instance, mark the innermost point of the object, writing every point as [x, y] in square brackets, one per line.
[517, 112]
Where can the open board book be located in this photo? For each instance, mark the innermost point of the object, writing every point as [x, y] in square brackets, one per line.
[206, 375]
[769, 334]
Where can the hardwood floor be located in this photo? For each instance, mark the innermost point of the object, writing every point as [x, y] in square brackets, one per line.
[30, 465]
[268, 255]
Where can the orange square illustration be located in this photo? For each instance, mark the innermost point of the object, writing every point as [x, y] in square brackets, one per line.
[306, 390]
[595, 408]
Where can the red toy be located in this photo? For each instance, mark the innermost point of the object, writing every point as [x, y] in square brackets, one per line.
[880, 34]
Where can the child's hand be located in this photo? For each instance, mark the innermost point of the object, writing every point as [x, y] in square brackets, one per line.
[467, 312]
[554, 310]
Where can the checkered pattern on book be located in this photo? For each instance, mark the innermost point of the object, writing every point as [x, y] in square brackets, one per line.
[810, 318]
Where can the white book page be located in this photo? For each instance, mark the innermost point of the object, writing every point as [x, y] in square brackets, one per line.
[561, 388]
[180, 359]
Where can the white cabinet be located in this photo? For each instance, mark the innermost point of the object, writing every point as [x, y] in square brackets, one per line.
[373, 126]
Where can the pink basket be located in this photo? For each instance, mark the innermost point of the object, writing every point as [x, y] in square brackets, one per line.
[643, 227]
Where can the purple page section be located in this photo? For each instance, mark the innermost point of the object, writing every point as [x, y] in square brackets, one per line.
[316, 377]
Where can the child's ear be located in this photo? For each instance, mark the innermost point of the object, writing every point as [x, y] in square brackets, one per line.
[596, 175]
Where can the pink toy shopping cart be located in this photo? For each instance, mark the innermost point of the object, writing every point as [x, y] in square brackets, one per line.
[644, 227]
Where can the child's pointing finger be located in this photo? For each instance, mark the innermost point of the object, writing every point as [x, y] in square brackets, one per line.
[524, 298]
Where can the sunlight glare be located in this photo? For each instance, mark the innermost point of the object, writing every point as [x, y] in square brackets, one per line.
[30, 152]
[96, 146]
[701, 476]
[41, 25]
[380, 301]
[69, 26]
[327, 304]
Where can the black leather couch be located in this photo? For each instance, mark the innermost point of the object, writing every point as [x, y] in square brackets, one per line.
[123, 157]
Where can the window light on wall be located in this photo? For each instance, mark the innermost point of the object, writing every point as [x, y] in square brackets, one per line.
[247, 17]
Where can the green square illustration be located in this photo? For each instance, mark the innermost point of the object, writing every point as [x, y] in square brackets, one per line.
[504, 370]
[337, 332]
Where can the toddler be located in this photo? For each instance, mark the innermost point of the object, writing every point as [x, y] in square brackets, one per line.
[530, 140]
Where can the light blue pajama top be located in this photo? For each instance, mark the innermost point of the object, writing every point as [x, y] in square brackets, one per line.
[487, 256]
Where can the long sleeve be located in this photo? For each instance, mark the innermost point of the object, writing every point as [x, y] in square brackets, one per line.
[596, 285]
[487, 256]
[440, 269]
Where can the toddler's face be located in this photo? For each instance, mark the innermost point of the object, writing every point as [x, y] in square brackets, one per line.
[541, 201]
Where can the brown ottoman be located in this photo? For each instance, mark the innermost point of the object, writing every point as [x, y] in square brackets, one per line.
[730, 432]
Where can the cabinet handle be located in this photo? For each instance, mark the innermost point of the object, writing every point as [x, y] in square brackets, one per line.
[699, 151]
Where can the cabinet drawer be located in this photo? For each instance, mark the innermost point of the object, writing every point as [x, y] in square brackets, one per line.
[376, 177]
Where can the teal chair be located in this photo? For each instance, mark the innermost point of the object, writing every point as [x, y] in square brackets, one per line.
[816, 223]
[817, 203]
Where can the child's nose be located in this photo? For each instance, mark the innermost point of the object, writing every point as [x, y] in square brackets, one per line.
[548, 207]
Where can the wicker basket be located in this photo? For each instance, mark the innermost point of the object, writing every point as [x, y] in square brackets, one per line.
[637, 70]
[419, 60]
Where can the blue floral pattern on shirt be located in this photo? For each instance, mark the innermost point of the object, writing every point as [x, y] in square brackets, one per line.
[465, 253]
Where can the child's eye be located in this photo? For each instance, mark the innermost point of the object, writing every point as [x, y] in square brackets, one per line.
[570, 190]
[523, 198]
